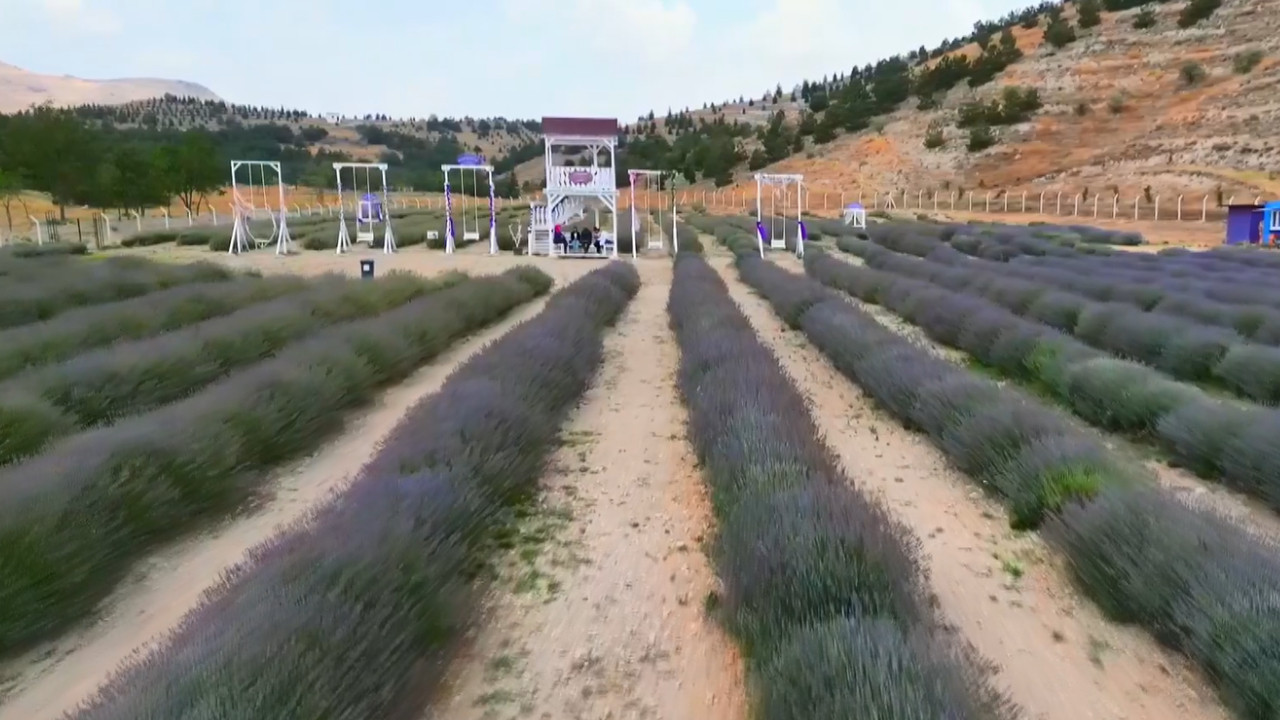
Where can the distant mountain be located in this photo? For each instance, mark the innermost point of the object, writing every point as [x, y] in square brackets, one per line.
[19, 89]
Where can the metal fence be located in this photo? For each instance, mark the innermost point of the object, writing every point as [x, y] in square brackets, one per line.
[101, 229]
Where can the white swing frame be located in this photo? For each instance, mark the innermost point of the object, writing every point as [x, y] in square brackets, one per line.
[632, 176]
[779, 183]
[855, 216]
[344, 236]
[242, 238]
[450, 243]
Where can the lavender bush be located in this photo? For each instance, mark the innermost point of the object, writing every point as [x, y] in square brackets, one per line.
[75, 331]
[70, 284]
[823, 588]
[1193, 579]
[352, 613]
[73, 519]
[128, 378]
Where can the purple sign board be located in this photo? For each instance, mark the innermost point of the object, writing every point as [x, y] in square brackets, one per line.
[580, 177]
[470, 160]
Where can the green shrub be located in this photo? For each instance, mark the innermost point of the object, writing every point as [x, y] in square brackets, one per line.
[1089, 14]
[1059, 34]
[1144, 19]
[1244, 62]
[933, 138]
[980, 138]
[1191, 73]
[1196, 10]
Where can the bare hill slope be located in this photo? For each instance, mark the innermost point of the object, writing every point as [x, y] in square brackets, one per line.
[1156, 111]
[19, 89]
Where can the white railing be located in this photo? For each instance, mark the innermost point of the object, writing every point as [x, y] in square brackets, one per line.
[581, 179]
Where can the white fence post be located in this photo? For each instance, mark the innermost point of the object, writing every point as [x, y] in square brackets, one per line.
[1204, 209]
[190, 220]
[1024, 201]
[988, 201]
[1115, 206]
[1075, 211]
[1095, 205]
[1042, 203]
[166, 218]
[106, 229]
[1135, 206]
[39, 231]
[137, 219]
[1157, 215]
[1179, 208]
[1058, 211]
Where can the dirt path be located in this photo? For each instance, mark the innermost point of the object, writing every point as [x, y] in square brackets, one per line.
[55, 678]
[1243, 510]
[598, 612]
[1002, 591]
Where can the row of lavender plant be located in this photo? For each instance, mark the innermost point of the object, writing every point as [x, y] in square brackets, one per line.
[823, 589]
[105, 385]
[15, 255]
[1193, 579]
[1230, 303]
[1228, 276]
[78, 282]
[73, 332]
[1241, 287]
[1218, 440]
[73, 519]
[353, 613]
[1181, 347]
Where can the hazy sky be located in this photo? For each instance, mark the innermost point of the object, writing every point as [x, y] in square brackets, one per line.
[514, 58]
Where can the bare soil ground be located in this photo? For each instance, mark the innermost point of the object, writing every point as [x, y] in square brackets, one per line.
[55, 678]
[598, 612]
[1246, 512]
[1004, 592]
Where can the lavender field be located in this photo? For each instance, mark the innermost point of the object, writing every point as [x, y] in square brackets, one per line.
[924, 471]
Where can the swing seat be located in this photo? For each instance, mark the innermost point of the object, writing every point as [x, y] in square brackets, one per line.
[777, 244]
[471, 236]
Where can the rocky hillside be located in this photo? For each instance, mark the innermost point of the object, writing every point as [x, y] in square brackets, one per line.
[1155, 110]
[20, 89]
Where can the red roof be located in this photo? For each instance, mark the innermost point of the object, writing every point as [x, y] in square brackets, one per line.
[588, 127]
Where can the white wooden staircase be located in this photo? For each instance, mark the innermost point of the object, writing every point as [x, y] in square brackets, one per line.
[540, 227]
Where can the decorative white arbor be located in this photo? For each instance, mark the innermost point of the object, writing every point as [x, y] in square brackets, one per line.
[245, 209]
[646, 176]
[570, 187]
[779, 184]
[365, 209]
[473, 164]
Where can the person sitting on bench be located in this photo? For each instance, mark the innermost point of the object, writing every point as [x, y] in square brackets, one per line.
[558, 238]
[595, 240]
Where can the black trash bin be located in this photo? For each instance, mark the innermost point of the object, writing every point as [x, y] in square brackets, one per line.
[366, 269]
